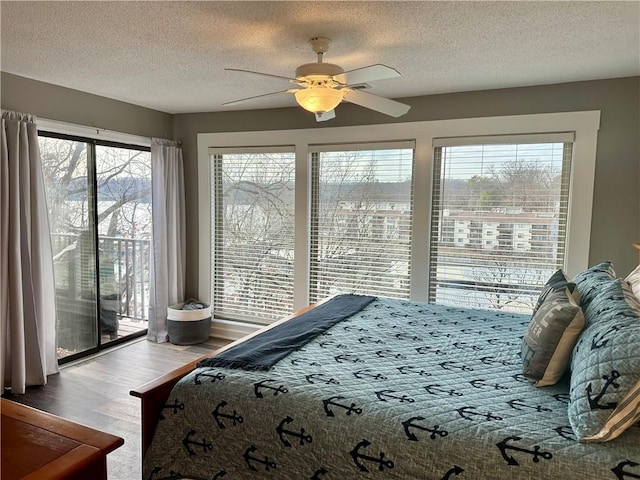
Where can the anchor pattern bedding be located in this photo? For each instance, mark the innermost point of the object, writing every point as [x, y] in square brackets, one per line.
[399, 390]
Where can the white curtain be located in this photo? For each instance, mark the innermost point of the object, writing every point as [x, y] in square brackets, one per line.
[169, 236]
[27, 290]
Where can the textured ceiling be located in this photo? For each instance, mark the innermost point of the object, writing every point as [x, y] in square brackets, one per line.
[170, 56]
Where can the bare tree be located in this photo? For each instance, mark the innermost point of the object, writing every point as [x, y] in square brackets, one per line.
[362, 218]
[123, 180]
[257, 216]
[509, 280]
[525, 184]
[256, 211]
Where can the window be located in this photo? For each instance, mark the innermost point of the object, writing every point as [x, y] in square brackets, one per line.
[522, 187]
[99, 203]
[312, 224]
[360, 228]
[253, 218]
[361, 206]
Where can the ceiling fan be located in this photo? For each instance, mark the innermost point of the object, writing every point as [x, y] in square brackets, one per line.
[322, 86]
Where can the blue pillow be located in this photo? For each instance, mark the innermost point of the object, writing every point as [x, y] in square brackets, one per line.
[590, 281]
[606, 305]
[605, 378]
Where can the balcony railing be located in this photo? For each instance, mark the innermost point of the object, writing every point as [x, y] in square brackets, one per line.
[123, 272]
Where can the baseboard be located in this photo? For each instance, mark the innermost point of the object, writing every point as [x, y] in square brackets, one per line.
[231, 329]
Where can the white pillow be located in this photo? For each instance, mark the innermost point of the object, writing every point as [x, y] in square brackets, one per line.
[633, 279]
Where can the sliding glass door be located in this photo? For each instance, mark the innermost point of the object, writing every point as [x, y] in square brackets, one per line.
[65, 164]
[99, 203]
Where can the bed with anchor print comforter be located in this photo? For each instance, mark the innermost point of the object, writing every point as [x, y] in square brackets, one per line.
[398, 390]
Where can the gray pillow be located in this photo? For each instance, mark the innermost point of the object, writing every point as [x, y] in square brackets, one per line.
[552, 333]
[605, 377]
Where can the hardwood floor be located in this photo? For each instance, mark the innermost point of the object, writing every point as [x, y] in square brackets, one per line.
[95, 392]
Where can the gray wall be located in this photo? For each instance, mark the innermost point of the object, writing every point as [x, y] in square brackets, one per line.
[616, 208]
[66, 105]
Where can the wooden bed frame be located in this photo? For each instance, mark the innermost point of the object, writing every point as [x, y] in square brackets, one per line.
[154, 394]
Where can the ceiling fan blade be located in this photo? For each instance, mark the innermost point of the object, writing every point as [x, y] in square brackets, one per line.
[263, 74]
[366, 74]
[374, 102]
[324, 116]
[291, 90]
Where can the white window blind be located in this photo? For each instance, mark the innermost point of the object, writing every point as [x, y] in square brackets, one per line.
[252, 228]
[361, 214]
[499, 221]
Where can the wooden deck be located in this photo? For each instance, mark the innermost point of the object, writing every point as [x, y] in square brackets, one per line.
[126, 326]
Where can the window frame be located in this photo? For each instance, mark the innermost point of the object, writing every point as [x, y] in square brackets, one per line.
[584, 124]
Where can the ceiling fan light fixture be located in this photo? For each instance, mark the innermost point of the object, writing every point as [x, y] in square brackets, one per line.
[319, 99]
[323, 86]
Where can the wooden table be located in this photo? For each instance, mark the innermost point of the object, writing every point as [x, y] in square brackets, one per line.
[37, 446]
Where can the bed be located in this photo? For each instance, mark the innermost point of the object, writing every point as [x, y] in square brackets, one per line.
[394, 389]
